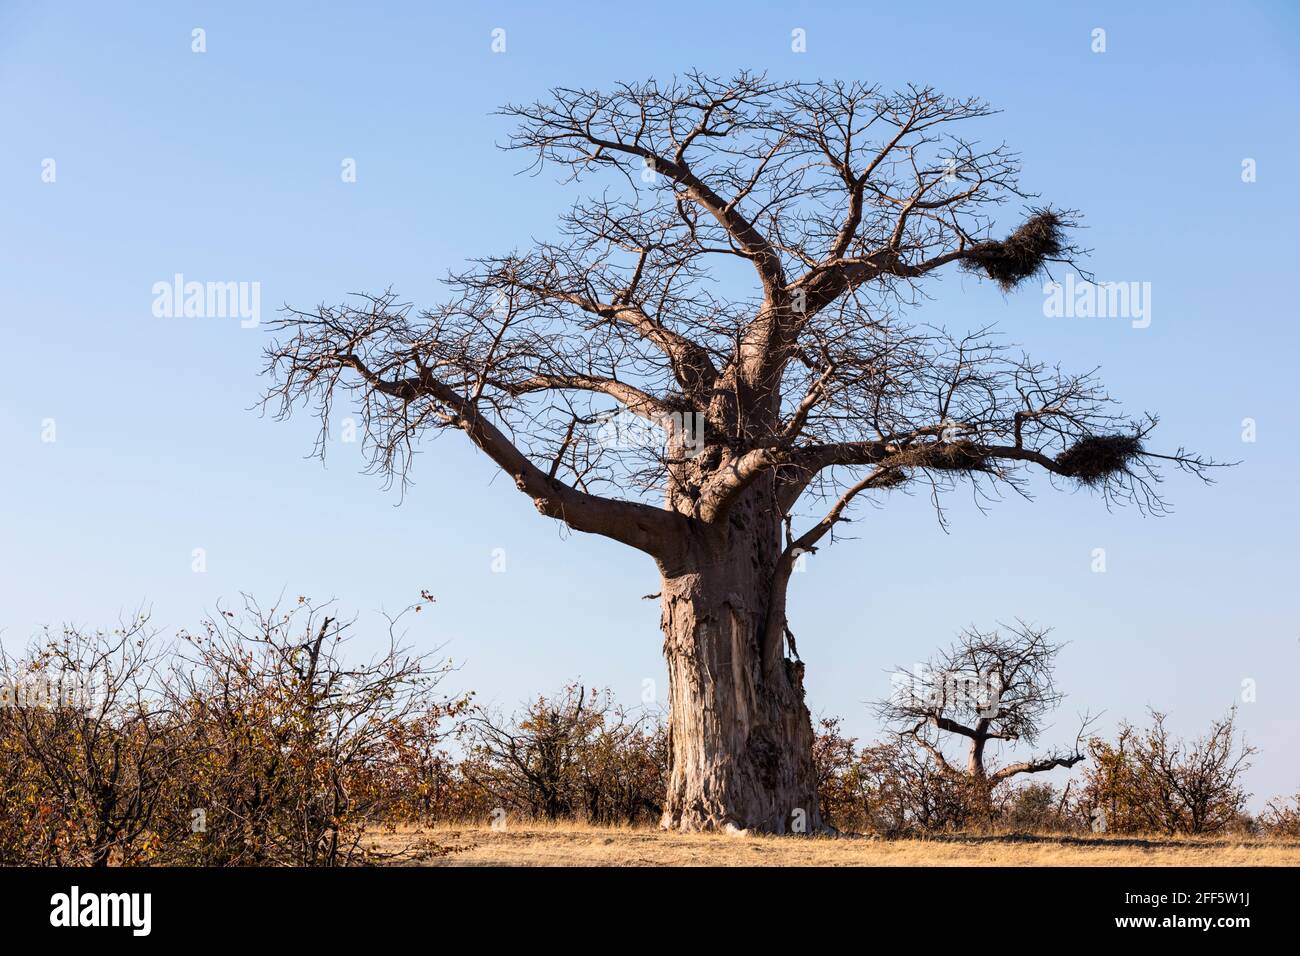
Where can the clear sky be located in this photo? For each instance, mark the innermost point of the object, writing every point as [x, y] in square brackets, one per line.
[225, 166]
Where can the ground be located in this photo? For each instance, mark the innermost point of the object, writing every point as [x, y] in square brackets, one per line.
[534, 844]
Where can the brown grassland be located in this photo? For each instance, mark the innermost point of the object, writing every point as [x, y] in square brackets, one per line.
[537, 844]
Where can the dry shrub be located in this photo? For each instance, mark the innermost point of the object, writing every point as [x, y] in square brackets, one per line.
[573, 755]
[1146, 781]
[88, 751]
[912, 795]
[258, 741]
[892, 789]
[253, 743]
[1281, 818]
[1036, 808]
[302, 749]
[840, 794]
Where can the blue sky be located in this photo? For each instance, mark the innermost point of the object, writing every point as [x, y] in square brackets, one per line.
[225, 166]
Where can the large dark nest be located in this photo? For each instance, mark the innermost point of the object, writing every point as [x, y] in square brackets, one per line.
[960, 455]
[1092, 460]
[1021, 254]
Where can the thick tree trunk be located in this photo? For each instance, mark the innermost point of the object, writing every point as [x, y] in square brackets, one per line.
[740, 735]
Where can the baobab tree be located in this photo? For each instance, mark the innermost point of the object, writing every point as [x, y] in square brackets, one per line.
[737, 284]
[988, 687]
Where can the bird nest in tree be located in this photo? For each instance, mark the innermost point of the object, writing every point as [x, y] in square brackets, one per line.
[1092, 460]
[1021, 254]
[890, 478]
[956, 456]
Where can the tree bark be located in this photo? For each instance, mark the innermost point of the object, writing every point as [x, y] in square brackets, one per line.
[740, 736]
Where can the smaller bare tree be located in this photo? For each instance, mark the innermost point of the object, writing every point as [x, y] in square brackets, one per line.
[987, 687]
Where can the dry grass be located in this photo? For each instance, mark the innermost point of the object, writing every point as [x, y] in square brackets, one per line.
[534, 844]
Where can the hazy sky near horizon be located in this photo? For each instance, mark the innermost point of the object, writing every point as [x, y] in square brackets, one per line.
[225, 166]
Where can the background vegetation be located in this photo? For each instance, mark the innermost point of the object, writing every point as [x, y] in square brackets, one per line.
[257, 741]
